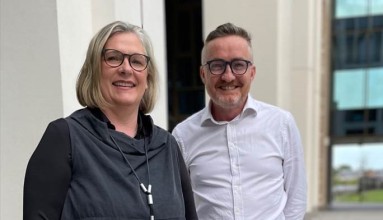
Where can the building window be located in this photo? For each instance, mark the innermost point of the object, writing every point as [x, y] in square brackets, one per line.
[184, 43]
[357, 173]
[357, 70]
[356, 127]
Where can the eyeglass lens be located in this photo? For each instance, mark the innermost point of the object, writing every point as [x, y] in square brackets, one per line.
[218, 67]
[115, 58]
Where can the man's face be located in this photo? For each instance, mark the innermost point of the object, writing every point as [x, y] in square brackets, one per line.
[228, 90]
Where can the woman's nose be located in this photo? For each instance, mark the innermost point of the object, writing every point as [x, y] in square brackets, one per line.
[126, 65]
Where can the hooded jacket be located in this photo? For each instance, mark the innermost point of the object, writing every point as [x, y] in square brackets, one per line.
[107, 168]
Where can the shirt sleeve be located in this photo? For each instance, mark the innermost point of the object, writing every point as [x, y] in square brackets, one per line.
[190, 210]
[294, 173]
[48, 174]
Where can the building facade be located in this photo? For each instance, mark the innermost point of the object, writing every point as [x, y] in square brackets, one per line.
[43, 45]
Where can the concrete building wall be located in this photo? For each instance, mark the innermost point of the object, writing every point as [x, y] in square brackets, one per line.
[30, 91]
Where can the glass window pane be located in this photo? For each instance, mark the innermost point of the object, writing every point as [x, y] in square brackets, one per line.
[362, 23]
[377, 22]
[376, 7]
[375, 88]
[183, 26]
[361, 49]
[350, 8]
[364, 156]
[375, 47]
[357, 173]
[353, 8]
[184, 76]
[354, 116]
[191, 101]
[350, 48]
[349, 89]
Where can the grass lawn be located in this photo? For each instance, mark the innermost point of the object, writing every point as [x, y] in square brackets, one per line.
[366, 196]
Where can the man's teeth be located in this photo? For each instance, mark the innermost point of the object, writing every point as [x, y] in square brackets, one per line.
[228, 87]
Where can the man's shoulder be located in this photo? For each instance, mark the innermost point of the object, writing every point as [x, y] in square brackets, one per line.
[193, 120]
[267, 108]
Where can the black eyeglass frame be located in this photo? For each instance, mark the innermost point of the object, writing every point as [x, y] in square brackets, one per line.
[230, 64]
[123, 59]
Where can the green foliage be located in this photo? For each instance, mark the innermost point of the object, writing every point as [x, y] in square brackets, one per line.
[366, 196]
[337, 181]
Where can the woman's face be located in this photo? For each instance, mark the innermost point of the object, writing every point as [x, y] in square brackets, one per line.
[123, 86]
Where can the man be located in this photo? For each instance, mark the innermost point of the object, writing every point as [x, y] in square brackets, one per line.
[244, 156]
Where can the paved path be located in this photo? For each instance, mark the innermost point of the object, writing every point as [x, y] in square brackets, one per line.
[347, 215]
[347, 212]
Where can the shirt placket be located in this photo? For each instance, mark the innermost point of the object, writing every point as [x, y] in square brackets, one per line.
[235, 171]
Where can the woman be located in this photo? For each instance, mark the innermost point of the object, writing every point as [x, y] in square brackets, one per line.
[108, 160]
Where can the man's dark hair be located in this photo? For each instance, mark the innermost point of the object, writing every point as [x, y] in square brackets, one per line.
[228, 29]
[224, 30]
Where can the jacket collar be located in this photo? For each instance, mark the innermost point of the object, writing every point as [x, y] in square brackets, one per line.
[142, 120]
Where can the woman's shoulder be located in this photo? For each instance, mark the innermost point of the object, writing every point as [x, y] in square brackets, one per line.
[58, 125]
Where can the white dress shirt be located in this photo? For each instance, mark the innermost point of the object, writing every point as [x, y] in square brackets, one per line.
[249, 168]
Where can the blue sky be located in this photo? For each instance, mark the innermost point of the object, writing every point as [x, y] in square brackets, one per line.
[356, 155]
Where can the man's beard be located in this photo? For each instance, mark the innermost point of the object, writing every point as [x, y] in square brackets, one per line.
[228, 101]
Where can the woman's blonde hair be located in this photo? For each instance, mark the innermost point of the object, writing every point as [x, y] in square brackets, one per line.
[88, 88]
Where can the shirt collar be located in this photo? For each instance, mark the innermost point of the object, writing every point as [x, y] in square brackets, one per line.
[251, 107]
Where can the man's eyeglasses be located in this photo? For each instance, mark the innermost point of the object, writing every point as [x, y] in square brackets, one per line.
[237, 66]
[115, 58]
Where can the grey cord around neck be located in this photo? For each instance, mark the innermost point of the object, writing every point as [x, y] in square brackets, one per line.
[148, 190]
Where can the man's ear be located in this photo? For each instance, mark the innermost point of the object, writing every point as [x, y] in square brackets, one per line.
[202, 73]
[253, 71]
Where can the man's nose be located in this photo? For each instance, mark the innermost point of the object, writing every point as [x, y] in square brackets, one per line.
[228, 74]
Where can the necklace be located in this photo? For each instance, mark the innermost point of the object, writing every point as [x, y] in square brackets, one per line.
[148, 190]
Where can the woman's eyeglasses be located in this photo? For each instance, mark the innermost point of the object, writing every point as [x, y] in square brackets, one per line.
[115, 58]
